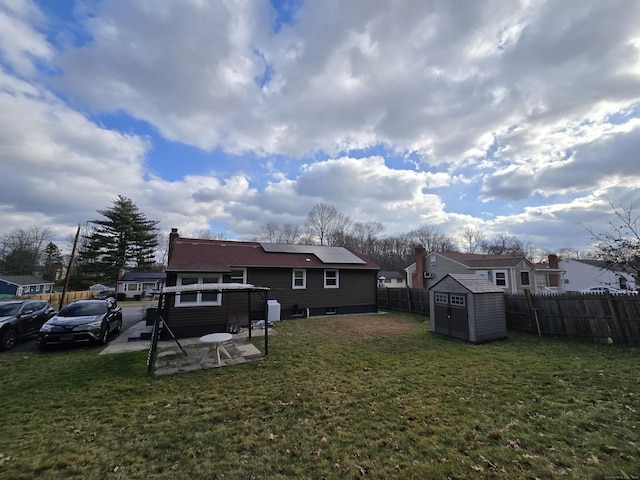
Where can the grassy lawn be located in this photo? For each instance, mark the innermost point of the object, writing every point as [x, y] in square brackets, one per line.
[341, 397]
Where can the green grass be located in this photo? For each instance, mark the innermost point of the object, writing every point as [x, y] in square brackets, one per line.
[408, 405]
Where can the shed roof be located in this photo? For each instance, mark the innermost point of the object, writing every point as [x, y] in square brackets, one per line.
[214, 287]
[472, 282]
[198, 255]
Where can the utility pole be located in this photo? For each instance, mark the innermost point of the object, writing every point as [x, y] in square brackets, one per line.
[68, 274]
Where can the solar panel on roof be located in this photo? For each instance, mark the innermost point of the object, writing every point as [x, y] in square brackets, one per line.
[325, 254]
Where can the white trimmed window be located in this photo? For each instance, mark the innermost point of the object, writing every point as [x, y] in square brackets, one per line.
[524, 278]
[331, 279]
[442, 298]
[500, 278]
[132, 287]
[198, 298]
[236, 276]
[458, 300]
[299, 279]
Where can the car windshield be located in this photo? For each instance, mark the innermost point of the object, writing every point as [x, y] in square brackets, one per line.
[83, 309]
[9, 309]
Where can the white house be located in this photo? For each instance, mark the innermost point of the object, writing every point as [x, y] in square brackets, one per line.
[581, 274]
[391, 279]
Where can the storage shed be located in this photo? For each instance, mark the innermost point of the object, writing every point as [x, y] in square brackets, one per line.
[468, 307]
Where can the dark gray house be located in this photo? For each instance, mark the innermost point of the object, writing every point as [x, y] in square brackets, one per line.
[468, 307]
[306, 280]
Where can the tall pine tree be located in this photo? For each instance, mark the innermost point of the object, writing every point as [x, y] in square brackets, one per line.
[125, 238]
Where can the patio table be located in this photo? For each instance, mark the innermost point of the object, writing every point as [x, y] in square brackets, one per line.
[216, 339]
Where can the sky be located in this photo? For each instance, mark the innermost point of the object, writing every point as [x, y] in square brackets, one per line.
[517, 118]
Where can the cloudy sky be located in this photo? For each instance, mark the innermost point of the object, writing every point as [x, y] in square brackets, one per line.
[518, 118]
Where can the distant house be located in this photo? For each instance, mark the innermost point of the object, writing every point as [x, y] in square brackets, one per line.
[24, 285]
[140, 284]
[390, 279]
[512, 274]
[581, 274]
[306, 280]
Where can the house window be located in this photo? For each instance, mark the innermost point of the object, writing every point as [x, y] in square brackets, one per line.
[524, 278]
[458, 300]
[331, 279]
[299, 279]
[483, 273]
[236, 276]
[442, 298]
[500, 278]
[131, 287]
[198, 298]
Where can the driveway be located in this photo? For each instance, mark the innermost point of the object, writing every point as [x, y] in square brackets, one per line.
[130, 317]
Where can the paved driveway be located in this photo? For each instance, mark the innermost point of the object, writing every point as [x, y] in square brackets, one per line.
[130, 317]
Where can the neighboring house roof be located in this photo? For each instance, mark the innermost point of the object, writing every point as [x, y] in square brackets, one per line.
[142, 276]
[603, 265]
[388, 274]
[25, 280]
[473, 283]
[475, 260]
[198, 255]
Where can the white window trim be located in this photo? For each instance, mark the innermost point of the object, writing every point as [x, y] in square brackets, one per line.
[293, 279]
[506, 279]
[199, 302]
[126, 287]
[244, 274]
[337, 277]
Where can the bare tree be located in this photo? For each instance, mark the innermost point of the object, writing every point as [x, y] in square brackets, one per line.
[472, 240]
[618, 239]
[275, 233]
[326, 224]
[506, 245]
[432, 239]
[22, 249]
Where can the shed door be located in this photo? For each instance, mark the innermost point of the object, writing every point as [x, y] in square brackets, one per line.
[452, 316]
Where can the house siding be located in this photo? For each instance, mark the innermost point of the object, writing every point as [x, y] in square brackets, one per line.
[356, 294]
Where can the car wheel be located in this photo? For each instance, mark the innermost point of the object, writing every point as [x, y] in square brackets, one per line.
[104, 335]
[8, 339]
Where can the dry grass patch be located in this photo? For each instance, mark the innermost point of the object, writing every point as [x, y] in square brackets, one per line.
[355, 327]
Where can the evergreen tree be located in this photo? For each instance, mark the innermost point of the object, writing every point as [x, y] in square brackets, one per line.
[125, 238]
[52, 262]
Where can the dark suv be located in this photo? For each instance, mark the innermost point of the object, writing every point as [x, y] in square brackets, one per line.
[21, 318]
[82, 321]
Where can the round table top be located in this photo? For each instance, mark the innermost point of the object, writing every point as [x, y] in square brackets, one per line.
[216, 338]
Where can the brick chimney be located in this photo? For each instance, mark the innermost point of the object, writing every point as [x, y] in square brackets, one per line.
[417, 278]
[173, 236]
[554, 278]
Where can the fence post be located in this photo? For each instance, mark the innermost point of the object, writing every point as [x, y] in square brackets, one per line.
[409, 300]
[614, 318]
[533, 313]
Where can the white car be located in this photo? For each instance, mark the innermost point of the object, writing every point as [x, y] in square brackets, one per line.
[604, 289]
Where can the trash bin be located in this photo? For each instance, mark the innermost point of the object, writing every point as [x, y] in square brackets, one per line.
[273, 310]
[151, 314]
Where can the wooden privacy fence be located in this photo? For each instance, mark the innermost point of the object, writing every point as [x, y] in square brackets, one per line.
[54, 298]
[414, 300]
[599, 316]
[614, 318]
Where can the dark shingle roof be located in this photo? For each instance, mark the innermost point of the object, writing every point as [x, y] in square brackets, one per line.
[197, 255]
[475, 260]
[25, 280]
[143, 276]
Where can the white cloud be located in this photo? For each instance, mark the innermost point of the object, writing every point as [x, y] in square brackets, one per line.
[522, 102]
